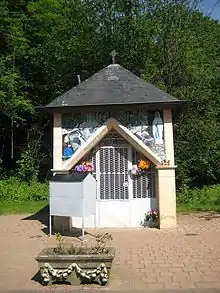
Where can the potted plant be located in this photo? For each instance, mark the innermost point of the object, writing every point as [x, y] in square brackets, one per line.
[77, 264]
[151, 219]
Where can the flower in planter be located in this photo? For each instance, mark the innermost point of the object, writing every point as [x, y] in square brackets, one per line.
[140, 168]
[84, 167]
[134, 170]
[151, 219]
[144, 164]
[152, 215]
[79, 168]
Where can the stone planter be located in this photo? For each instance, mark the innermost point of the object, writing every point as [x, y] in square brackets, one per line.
[75, 269]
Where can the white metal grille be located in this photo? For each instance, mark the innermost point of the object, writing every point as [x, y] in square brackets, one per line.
[111, 159]
[113, 173]
[144, 185]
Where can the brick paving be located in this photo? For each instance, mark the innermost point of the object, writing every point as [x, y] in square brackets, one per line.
[185, 258]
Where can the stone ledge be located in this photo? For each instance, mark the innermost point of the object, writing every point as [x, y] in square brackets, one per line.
[164, 167]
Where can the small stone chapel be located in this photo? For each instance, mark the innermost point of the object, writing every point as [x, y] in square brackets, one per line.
[112, 121]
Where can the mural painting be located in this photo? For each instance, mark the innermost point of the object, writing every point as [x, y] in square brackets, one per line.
[147, 126]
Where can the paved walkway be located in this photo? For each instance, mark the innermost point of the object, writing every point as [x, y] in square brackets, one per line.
[146, 259]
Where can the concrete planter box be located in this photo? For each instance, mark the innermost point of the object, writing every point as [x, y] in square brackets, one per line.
[87, 262]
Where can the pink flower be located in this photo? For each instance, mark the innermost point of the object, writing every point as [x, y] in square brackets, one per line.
[85, 168]
[90, 168]
[134, 169]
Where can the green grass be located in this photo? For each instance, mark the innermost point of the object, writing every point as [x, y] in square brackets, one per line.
[26, 207]
[182, 208]
[198, 207]
[20, 198]
[205, 199]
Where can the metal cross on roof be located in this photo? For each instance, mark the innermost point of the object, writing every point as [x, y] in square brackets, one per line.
[113, 54]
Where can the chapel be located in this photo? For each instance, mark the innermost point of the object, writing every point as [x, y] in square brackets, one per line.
[119, 128]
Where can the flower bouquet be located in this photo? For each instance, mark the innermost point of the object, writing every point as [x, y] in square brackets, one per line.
[140, 168]
[84, 167]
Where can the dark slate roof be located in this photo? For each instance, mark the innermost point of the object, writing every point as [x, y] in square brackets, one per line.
[71, 177]
[113, 85]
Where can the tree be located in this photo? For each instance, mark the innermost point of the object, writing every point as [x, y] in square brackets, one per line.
[44, 44]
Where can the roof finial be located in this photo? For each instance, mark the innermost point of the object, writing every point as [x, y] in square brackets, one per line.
[113, 54]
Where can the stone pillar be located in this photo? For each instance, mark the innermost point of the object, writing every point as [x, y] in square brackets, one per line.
[60, 224]
[168, 136]
[167, 196]
[166, 177]
[57, 142]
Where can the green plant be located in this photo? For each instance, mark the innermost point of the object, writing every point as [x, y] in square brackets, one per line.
[151, 217]
[60, 249]
[2, 170]
[75, 250]
[14, 190]
[99, 248]
[27, 166]
[32, 157]
[205, 199]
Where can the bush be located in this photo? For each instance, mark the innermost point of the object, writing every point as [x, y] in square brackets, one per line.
[2, 170]
[205, 199]
[27, 167]
[13, 189]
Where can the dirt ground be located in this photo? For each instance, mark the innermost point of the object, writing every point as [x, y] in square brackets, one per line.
[188, 257]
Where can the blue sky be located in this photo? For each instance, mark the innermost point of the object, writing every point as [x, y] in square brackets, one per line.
[211, 8]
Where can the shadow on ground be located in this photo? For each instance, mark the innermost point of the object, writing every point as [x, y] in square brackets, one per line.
[43, 217]
[209, 216]
[37, 277]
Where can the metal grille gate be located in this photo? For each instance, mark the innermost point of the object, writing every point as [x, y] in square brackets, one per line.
[143, 186]
[111, 159]
[113, 173]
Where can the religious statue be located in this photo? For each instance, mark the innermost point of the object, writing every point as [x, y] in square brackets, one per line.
[158, 128]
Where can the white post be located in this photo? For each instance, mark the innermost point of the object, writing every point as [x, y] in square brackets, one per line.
[83, 222]
[168, 136]
[50, 225]
[57, 142]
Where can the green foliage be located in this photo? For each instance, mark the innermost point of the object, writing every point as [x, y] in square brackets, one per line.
[13, 95]
[31, 157]
[27, 169]
[2, 170]
[205, 199]
[13, 189]
[45, 44]
[59, 249]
